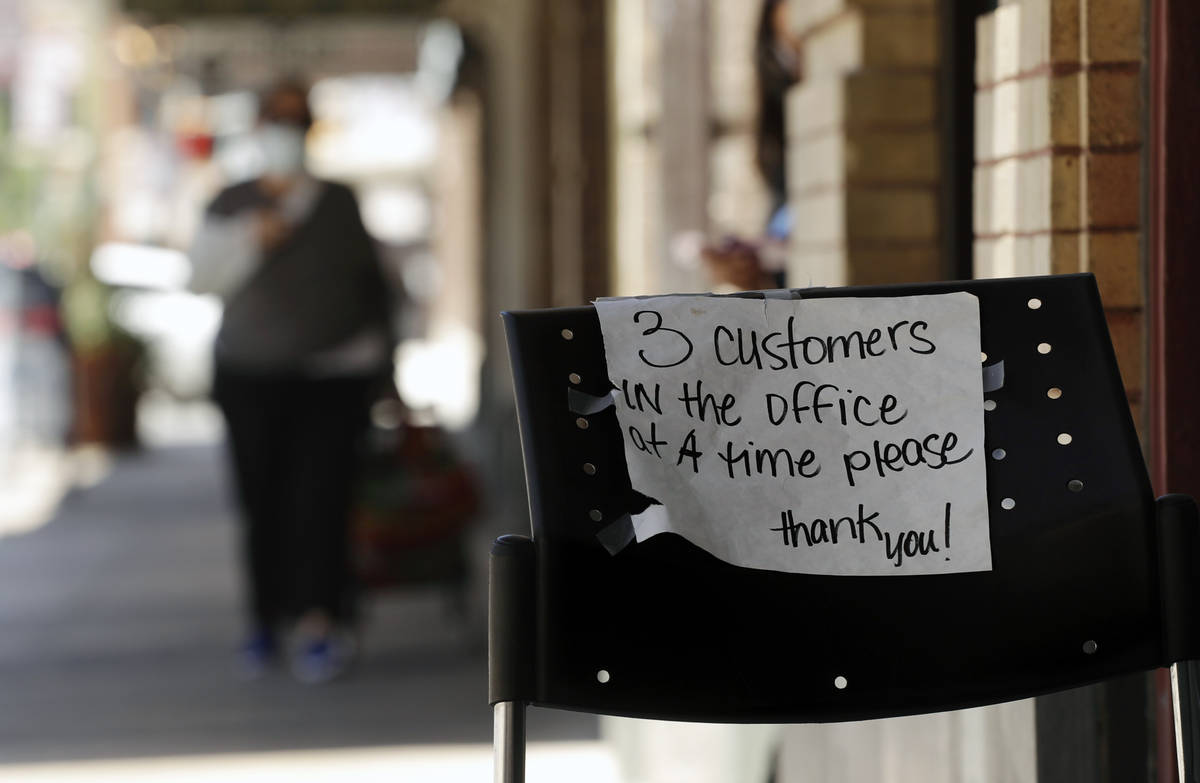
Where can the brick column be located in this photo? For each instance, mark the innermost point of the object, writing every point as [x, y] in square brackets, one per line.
[1112, 44]
[862, 154]
[1058, 154]
[1028, 139]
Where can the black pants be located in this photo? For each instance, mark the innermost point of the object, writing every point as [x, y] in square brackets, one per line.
[293, 441]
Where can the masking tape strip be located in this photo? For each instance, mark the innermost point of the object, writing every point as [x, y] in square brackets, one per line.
[617, 535]
[993, 377]
[585, 404]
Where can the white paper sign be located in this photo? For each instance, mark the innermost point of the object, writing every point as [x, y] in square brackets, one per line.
[821, 436]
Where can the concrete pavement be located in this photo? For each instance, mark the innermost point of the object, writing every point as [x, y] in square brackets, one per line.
[118, 617]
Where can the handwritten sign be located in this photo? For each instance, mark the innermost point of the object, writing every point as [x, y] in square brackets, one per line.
[821, 436]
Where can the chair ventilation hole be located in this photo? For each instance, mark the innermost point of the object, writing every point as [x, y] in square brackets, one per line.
[1034, 304]
[999, 454]
[1043, 348]
[574, 378]
[596, 515]
[1075, 485]
[567, 334]
[989, 405]
[581, 423]
[982, 357]
[589, 468]
[1054, 392]
[1008, 504]
[840, 682]
[1090, 647]
[1064, 438]
[603, 676]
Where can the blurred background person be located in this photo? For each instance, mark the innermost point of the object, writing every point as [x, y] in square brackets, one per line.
[40, 377]
[304, 340]
[776, 70]
[736, 264]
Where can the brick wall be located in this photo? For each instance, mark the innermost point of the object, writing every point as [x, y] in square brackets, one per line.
[862, 154]
[1058, 155]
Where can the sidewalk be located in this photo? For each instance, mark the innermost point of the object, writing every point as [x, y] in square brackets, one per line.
[34, 479]
[118, 619]
[547, 762]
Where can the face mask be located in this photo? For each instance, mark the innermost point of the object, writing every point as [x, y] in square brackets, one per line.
[282, 149]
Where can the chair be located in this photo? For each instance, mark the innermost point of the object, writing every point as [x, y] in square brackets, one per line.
[1090, 580]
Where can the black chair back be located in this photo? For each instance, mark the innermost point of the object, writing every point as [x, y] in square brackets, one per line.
[1088, 581]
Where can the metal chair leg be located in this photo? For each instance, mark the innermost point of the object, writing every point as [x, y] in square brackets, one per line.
[1185, 693]
[508, 738]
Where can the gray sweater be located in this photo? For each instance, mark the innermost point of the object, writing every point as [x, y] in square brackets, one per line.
[320, 289]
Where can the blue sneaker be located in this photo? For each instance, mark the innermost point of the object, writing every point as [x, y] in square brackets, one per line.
[321, 659]
[256, 655]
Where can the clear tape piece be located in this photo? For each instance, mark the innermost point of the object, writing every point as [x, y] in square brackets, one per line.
[769, 293]
[617, 535]
[993, 377]
[778, 293]
[585, 404]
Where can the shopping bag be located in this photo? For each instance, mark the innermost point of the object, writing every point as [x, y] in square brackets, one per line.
[414, 499]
